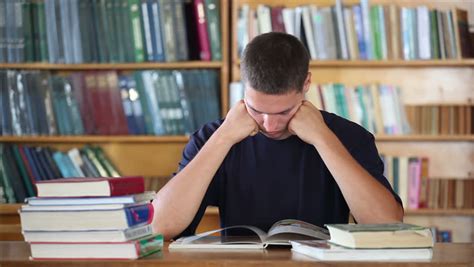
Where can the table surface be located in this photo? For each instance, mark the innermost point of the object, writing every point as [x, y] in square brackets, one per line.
[16, 253]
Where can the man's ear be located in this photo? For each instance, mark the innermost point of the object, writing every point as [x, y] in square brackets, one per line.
[307, 83]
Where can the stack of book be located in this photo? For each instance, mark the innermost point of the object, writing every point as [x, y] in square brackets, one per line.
[370, 242]
[90, 218]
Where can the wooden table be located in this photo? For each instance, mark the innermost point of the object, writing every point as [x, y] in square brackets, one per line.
[16, 253]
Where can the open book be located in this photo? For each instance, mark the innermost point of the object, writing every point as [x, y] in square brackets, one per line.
[281, 233]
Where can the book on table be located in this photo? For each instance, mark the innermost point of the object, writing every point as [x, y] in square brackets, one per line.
[91, 187]
[280, 233]
[119, 235]
[327, 251]
[97, 250]
[396, 235]
[86, 218]
[73, 201]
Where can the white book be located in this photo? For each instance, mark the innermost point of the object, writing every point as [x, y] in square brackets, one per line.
[242, 28]
[341, 30]
[89, 236]
[76, 160]
[264, 19]
[80, 207]
[323, 250]
[308, 30]
[313, 96]
[127, 199]
[365, 7]
[289, 20]
[297, 23]
[236, 92]
[423, 23]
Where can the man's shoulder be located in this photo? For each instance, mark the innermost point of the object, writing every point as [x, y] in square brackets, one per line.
[205, 132]
[349, 132]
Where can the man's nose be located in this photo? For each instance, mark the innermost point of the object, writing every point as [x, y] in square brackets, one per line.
[270, 123]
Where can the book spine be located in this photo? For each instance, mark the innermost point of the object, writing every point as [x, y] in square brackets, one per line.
[138, 215]
[205, 52]
[126, 186]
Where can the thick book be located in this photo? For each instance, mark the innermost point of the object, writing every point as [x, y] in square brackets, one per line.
[91, 187]
[281, 233]
[73, 201]
[104, 250]
[123, 235]
[326, 251]
[396, 235]
[82, 220]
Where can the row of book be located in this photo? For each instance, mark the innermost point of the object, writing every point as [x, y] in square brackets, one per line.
[81, 31]
[410, 179]
[22, 166]
[363, 31]
[90, 218]
[162, 102]
[378, 108]
[436, 119]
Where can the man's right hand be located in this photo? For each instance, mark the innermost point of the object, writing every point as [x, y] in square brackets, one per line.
[238, 124]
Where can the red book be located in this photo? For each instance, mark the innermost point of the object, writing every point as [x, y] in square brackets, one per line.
[201, 22]
[117, 120]
[277, 19]
[91, 187]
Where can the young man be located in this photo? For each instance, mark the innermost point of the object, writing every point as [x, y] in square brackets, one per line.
[276, 156]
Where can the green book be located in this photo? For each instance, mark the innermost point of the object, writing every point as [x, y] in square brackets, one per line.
[104, 161]
[111, 31]
[7, 187]
[28, 31]
[376, 36]
[434, 34]
[214, 28]
[137, 32]
[375, 236]
[23, 172]
[87, 150]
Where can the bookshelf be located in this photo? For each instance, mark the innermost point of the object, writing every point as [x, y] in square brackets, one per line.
[422, 82]
[150, 156]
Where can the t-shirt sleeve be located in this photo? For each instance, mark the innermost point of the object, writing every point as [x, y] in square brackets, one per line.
[367, 155]
[197, 140]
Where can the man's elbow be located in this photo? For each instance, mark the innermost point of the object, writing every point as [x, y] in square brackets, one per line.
[166, 230]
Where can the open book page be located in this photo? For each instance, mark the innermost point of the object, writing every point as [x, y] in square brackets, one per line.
[206, 240]
[285, 230]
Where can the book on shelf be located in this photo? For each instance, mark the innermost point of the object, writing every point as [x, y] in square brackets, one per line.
[114, 31]
[92, 236]
[441, 119]
[154, 102]
[380, 236]
[410, 179]
[363, 31]
[91, 187]
[132, 249]
[75, 219]
[279, 234]
[326, 251]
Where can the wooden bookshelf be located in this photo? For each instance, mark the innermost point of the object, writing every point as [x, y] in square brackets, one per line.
[184, 139]
[96, 139]
[117, 66]
[423, 82]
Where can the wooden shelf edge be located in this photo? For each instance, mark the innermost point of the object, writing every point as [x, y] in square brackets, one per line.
[95, 139]
[439, 212]
[417, 138]
[389, 63]
[116, 66]
[9, 208]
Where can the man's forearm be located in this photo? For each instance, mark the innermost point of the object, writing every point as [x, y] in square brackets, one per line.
[368, 200]
[178, 201]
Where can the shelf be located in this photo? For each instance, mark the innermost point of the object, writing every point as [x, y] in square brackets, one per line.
[427, 138]
[391, 63]
[184, 139]
[6, 209]
[95, 139]
[440, 212]
[116, 66]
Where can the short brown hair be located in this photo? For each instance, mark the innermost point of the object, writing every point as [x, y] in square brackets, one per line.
[275, 63]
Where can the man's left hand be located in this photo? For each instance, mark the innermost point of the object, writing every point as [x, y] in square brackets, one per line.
[308, 123]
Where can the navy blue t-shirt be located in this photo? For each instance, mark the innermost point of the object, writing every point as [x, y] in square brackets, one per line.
[262, 180]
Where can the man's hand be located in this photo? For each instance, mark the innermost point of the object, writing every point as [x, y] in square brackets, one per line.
[238, 124]
[308, 123]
